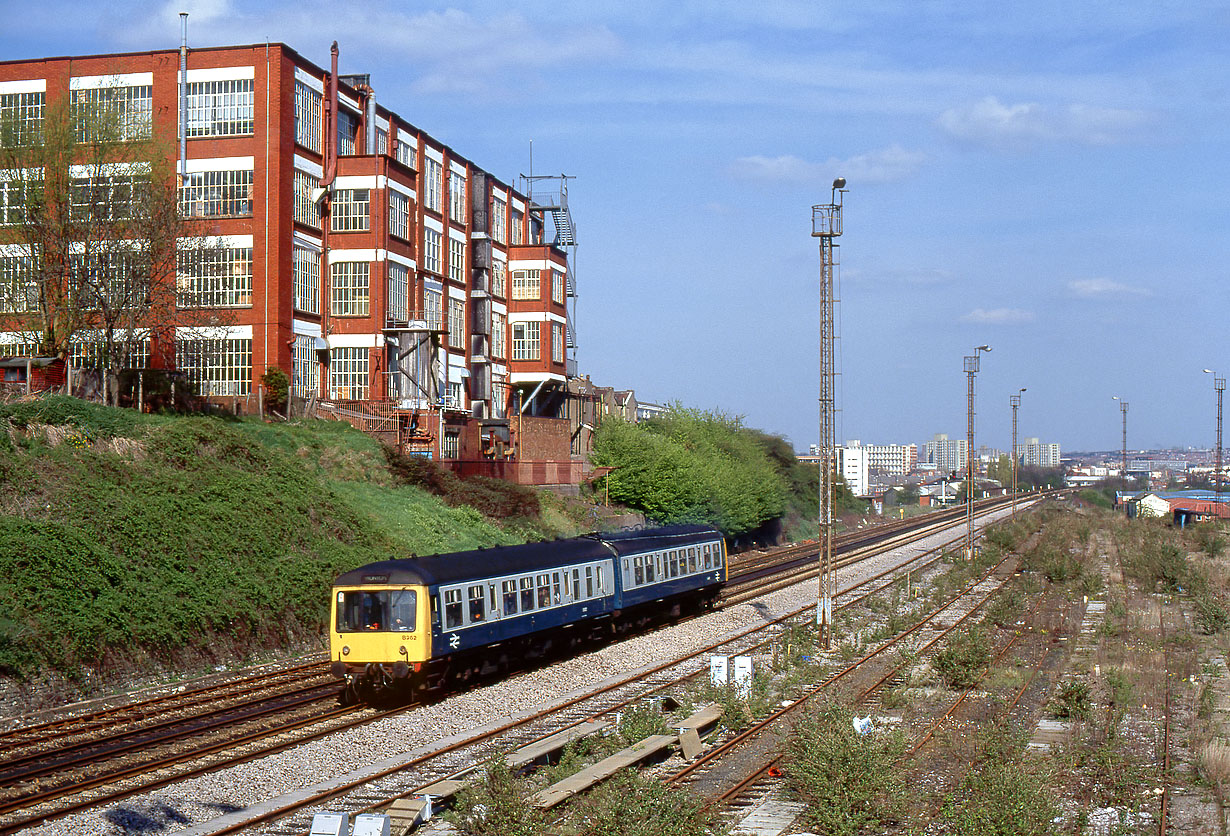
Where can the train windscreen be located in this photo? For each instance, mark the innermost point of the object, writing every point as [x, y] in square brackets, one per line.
[387, 610]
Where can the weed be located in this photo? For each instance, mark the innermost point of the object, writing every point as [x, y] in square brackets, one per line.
[1120, 686]
[1071, 700]
[641, 721]
[960, 663]
[497, 804]
[631, 804]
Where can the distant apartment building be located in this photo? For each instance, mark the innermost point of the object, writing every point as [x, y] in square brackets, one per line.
[853, 464]
[897, 459]
[946, 454]
[392, 279]
[1033, 453]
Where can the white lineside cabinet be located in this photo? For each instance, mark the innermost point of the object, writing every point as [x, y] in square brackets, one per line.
[742, 676]
[330, 824]
[719, 670]
[371, 824]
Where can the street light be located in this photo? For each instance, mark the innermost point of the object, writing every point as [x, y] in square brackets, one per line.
[1123, 407]
[1015, 400]
[1219, 384]
[971, 369]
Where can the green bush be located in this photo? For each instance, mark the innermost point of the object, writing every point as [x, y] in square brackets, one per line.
[1010, 797]
[277, 388]
[851, 783]
[962, 661]
[491, 497]
[497, 804]
[631, 804]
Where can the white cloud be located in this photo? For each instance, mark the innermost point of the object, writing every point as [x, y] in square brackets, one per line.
[883, 166]
[998, 316]
[1098, 288]
[992, 123]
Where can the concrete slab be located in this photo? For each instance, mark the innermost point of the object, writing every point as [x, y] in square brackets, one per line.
[588, 777]
[771, 817]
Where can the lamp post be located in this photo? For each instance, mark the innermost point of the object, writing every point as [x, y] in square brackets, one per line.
[1015, 400]
[1219, 385]
[1123, 407]
[826, 224]
[971, 369]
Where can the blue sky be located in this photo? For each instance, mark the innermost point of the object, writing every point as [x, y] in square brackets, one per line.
[1048, 178]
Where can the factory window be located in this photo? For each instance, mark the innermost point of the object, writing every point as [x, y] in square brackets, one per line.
[518, 221]
[303, 367]
[457, 197]
[18, 287]
[525, 284]
[398, 306]
[347, 131]
[499, 220]
[452, 609]
[306, 268]
[216, 194]
[432, 300]
[457, 322]
[348, 374]
[452, 445]
[456, 260]
[21, 119]
[17, 189]
[431, 250]
[382, 141]
[348, 288]
[557, 286]
[407, 153]
[435, 174]
[351, 210]
[477, 603]
[306, 212]
[525, 341]
[399, 215]
[215, 278]
[88, 349]
[499, 278]
[557, 342]
[220, 108]
[216, 367]
[527, 594]
[307, 116]
[509, 590]
[103, 114]
[499, 335]
[108, 197]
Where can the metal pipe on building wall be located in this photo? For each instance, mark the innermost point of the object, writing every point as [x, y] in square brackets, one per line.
[183, 97]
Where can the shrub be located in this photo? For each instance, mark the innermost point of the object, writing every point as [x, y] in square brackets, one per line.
[631, 804]
[497, 804]
[492, 497]
[1071, 700]
[277, 388]
[1003, 797]
[851, 783]
[961, 662]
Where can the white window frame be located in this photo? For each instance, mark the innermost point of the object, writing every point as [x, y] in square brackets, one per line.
[22, 114]
[348, 373]
[457, 196]
[398, 298]
[307, 116]
[216, 194]
[222, 107]
[528, 345]
[399, 215]
[456, 322]
[431, 250]
[219, 278]
[526, 284]
[306, 271]
[434, 176]
[304, 367]
[457, 260]
[349, 288]
[226, 369]
[306, 212]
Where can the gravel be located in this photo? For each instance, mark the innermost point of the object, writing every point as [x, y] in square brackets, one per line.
[195, 802]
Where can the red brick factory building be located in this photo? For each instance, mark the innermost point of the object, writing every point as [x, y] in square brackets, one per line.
[399, 285]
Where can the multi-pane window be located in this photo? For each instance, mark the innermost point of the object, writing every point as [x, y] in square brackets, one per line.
[13, 199]
[112, 113]
[217, 194]
[18, 288]
[347, 132]
[452, 445]
[307, 279]
[21, 119]
[499, 278]
[407, 153]
[216, 278]
[220, 108]
[303, 367]
[456, 260]
[216, 367]
[499, 335]
[399, 215]
[348, 374]
[382, 141]
[432, 300]
[525, 284]
[398, 299]
[89, 351]
[306, 212]
[431, 250]
[457, 196]
[108, 280]
[108, 197]
[518, 221]
[348, 288]
[307, 116]
[557, 286]
[435, 173]
[557, 342]
[499, 220]
[456, 322]
[351, 210]
[525, 338]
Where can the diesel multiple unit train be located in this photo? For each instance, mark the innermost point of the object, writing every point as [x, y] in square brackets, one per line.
[402, 624]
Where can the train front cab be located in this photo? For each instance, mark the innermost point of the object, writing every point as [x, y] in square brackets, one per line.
[380, 636]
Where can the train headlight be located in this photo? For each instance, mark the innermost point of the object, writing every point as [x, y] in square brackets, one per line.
[345, 650]
[402, 650]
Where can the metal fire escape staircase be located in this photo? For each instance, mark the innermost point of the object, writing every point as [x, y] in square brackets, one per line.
[553, 204]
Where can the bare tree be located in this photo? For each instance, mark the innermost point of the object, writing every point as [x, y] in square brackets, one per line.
[95, 234]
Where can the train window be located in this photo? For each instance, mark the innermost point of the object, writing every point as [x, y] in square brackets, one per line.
[706, 556]
[674, 564]
[452, 609]
[638, 569]
[692, 559]
[660, 562]
[509, 589]
[601, 573]
[717, 555]
[649, 568]
[382, 610]
[477, 610]
[589, 581]
[555, 585]
[527, 594]
[576, 584]
[544, 590]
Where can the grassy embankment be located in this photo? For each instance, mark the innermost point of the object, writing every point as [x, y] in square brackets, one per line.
[130, 542]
